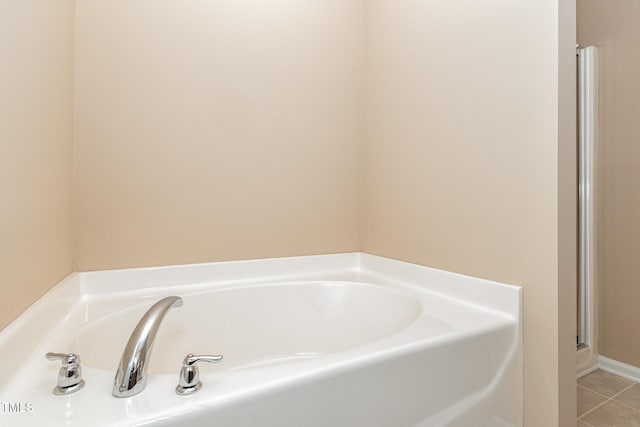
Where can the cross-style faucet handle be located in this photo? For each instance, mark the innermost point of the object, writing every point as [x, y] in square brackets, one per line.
[70, 373]
[189, 381]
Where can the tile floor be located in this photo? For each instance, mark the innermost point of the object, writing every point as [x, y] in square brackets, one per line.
[607, 400]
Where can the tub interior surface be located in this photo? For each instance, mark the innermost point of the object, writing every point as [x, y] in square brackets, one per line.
[256, 325]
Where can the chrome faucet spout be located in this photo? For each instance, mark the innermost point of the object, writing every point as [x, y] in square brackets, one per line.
[131, 376]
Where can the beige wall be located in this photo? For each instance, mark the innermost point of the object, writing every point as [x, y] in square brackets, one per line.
[233, 129]
[613, 27]
[210, 131]
[470, 158]
[567, 170]
[36, 113]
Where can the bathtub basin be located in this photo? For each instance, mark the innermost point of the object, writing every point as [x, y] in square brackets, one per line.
[338, 340]
[257, 325]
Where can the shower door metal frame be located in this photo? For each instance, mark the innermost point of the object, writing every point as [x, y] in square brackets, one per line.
[587, 149]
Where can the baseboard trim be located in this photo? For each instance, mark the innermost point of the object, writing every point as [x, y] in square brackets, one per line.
[586, 360]
[588, 371]
[621, 369]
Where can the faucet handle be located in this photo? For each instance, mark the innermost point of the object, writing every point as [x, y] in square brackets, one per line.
[70, 373]
[189, 381]
[191, 359]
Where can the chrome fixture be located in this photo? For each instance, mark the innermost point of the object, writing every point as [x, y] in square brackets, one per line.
[189, 381]
[131, 376]
[70, 374]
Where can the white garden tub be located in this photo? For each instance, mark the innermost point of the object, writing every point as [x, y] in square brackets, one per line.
[339, 340]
